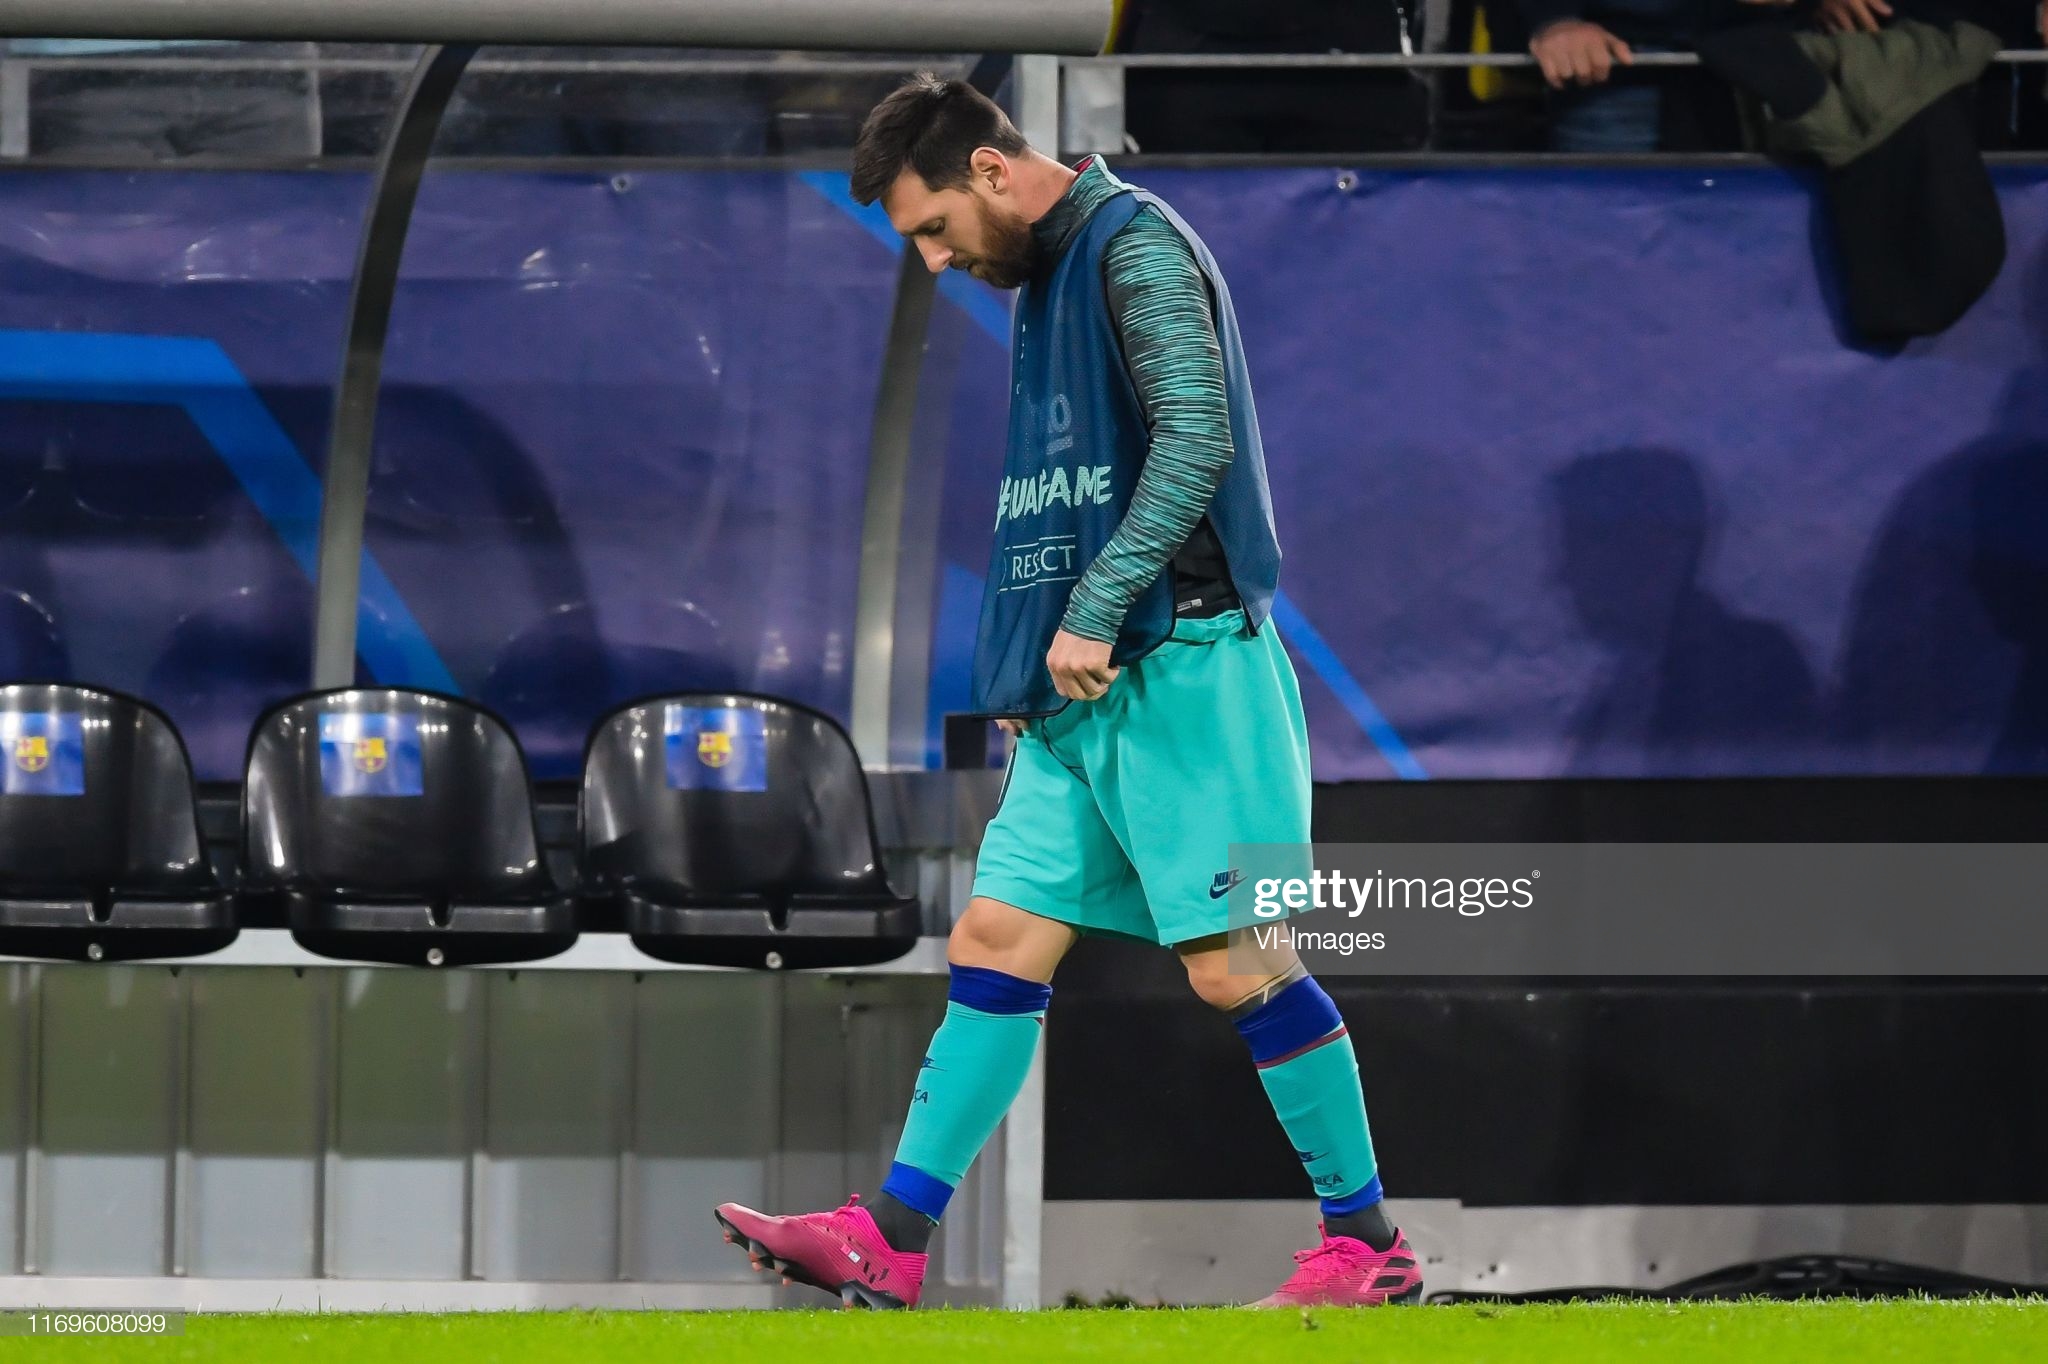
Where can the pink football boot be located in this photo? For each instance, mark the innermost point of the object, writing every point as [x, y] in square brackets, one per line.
[1345, 1272]
[841, 1251]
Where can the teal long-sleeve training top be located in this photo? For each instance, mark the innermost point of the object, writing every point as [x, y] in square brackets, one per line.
[1164, 316]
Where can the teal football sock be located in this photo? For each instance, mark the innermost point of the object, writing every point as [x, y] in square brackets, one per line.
[972, 1071]
[1310, 1073]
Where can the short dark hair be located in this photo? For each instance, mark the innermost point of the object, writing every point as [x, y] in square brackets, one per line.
[932, 126]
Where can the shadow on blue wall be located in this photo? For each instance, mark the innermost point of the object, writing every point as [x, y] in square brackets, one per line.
[1946, 647]
[1689, 684]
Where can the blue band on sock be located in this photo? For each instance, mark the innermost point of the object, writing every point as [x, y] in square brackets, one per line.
[919, 1192]
[1354, 1202]
[1290, 1020]
[993, 992]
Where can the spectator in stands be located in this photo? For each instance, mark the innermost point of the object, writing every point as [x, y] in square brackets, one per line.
[1585, 48]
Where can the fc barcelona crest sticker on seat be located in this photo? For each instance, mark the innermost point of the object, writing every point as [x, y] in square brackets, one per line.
[716, 748]
[45, 753]
[371, 755]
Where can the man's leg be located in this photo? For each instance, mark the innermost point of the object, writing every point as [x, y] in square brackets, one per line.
[1306, 1063]
[1308, 1067]
[1001, 960]
[1191, 797]
[1048, 866]
[1622, 116]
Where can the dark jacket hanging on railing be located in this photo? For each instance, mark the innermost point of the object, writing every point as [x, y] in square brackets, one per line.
[1916, 224]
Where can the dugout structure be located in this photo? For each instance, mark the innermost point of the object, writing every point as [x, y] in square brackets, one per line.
[270, 1129]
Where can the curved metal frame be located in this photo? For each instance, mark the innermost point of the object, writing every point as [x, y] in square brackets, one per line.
[346, 479]
[893, 597]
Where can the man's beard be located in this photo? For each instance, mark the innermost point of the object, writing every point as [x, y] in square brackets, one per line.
[1011, 254]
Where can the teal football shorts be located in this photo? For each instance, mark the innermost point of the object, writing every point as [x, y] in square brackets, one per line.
[1118, 815]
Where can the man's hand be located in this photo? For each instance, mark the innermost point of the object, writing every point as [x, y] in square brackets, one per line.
[1575, 50]
[1080, 667]
[1013, 728]
[1850, 16]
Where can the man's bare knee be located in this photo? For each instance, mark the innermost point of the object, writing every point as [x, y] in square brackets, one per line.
[1004, 938]
[1230, 972]
[1210, 978]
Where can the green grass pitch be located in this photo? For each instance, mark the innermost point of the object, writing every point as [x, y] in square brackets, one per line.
[1925, 1332]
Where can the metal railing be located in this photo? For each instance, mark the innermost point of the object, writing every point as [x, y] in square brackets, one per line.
[401, 63]
[1091, 89]
[1083, 97]
[1418, 61]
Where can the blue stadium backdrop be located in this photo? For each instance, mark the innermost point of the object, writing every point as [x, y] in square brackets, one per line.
[1574, 471]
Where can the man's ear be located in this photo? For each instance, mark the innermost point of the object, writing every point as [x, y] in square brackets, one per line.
[991, 168]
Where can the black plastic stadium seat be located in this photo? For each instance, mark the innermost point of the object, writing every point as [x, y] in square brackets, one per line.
[398, 826]
[735, 830]
[100, 852]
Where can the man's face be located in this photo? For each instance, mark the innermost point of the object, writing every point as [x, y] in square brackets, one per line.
[975, 228]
